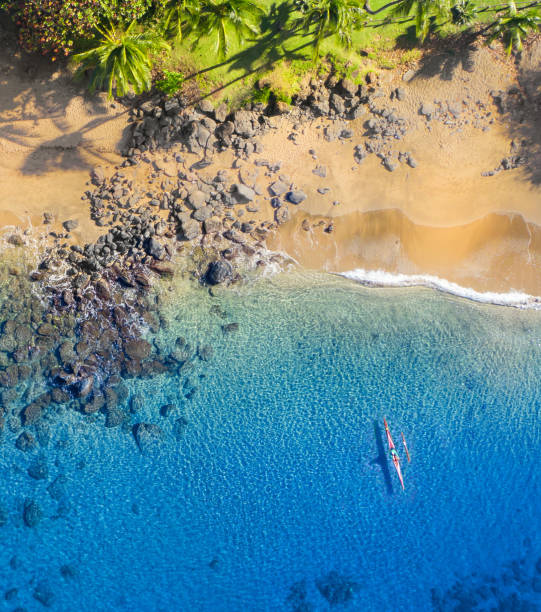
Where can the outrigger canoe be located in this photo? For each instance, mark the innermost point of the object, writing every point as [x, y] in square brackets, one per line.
[394, 454]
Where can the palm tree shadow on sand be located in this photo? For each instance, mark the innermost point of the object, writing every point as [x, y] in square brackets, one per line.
[381, 458]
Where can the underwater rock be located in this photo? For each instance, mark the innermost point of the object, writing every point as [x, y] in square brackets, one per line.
[44, 594]
[32, 513]
[137, 349]
[230, 327]
[115, 417]
[205, 353]
[57, 488]
[137, 403]
[167, 409]
[336, 589]
[147, 436]
[69, 572]
[38, 469]
[25, 442]
[179, 427]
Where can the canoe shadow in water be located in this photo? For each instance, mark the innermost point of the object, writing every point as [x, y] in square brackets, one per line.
[381, 458]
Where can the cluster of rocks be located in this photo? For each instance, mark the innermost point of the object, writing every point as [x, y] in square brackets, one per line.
[335, 588]
[517, 587]
[161, 121]
[457, 115]
[517, 157]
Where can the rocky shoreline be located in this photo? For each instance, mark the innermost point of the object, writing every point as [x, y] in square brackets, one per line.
[88, 320]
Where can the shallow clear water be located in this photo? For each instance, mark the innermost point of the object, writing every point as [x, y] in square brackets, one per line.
[282, 475]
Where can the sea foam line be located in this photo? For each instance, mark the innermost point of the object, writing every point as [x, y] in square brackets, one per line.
[380, 278]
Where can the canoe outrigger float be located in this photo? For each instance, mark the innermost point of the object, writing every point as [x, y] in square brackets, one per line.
[405, 446]
[394, 454]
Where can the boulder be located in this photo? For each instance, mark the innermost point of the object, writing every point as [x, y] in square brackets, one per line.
[163, 268]
[25, 442]
[337, 589]
[346, 88]
[281, 215]
[201, 214]
[32, 513]
[278, 188]
[70, 224]
[147, 436]
[38, 469]
[296, 197]
[137, 349]
[154, 248]
[57, 488]
[44, 594]
[242, 193]
[212, 225]
[190, 229]
[218, 272]
[197, 199]
[427, 110]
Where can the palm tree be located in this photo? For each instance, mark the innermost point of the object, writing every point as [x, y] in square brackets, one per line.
[178, 16]
[331, 18]
[515, 26]
[220, 18]
[423, 11]
[120, 59]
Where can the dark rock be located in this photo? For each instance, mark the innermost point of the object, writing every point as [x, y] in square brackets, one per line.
[25, 442]
[202, 214]
[281, 215]
[137, 349]
[218, 272]
[179, 427]
[70, 224]
[390, 164]
[337, 589]
[347, 88]
[31, 414]
[32, 513]
[38, 469]
[147, 436]
[114, 417]
[167, 409]
[278, 188]
[44, 594]
[69, 572]
[163, 268]
[230, 327]
[57, 488]
[15, 240]
[242, 193]
[11, 594]
[296, 197]
[337, 104]
[205, 353]
[48, 218]
[154, 248]
[212, 225]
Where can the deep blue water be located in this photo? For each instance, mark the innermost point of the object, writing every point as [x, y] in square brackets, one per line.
[279, 478]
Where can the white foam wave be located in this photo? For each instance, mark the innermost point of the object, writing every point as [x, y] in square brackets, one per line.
[380, 278]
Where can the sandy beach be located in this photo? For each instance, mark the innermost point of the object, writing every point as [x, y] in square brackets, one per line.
[442, 217]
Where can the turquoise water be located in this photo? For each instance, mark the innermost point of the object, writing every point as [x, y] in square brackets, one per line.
[281, 476]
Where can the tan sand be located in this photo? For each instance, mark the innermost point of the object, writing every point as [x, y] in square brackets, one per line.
[440, 218]
[51, 135]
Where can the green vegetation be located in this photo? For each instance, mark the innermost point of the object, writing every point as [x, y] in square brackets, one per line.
[225, 47]
[120, 59]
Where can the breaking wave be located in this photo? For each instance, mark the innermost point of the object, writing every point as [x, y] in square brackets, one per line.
[380, 278]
